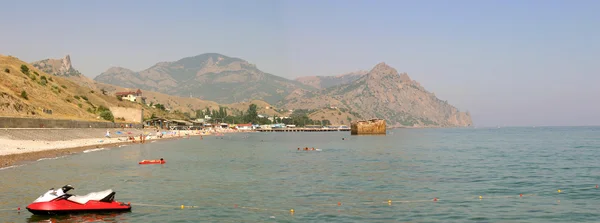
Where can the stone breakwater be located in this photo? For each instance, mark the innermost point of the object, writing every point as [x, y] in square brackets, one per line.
[18, 145]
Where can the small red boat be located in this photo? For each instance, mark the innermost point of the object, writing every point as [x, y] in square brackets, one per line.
[160, 161]
[60, 202]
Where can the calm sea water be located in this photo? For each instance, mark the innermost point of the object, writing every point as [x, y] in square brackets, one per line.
[259, 177]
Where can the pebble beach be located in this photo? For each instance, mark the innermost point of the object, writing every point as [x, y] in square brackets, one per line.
[22, 145]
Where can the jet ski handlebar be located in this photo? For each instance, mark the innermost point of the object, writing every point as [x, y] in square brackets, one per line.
[67, 187]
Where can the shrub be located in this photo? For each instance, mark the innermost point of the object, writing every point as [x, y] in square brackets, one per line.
[68, 100]
[101, 108]
[90, 110]
[84, 97]
[80, 105]
[119, 98]
[92, 91]
[63, 86]
[24, 69]
[107, 115]
[76, 97]
[7, 70]
[32, 77]
[50, 79]
[43, 81]
[24, 95]
[36, 73]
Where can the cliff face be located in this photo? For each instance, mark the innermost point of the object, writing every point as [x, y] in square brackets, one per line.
[386, 94]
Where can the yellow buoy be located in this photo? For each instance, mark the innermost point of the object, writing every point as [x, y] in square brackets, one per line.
[558, 191]
[480, 197]
[182, 206]
[390, 202]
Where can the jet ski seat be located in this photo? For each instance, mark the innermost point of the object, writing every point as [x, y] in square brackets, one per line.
[107, 195]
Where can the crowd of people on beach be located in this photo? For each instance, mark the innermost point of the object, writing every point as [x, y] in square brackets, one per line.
[149, 134]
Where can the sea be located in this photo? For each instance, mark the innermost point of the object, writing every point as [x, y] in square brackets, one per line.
[509, 174]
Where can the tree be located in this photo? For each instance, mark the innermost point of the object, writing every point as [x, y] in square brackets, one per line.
[159, 106]
[24, 69]
[199, 113]
[107, 115]
[103, 91]
[251, 114]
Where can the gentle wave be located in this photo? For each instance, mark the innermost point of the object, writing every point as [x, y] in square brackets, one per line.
[53, 158]
[92, 150]
[9, 167]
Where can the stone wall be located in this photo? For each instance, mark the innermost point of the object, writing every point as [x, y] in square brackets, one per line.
[129, 114]
[13, 122]
[368, 127]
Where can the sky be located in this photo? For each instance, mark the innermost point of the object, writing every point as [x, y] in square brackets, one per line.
[507, 62]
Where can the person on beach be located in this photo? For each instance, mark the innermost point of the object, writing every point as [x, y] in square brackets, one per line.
[107, 134]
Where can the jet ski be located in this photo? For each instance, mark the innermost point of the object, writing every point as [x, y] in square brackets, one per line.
[60, 202]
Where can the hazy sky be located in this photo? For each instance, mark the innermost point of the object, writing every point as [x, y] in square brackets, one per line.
[507, 62]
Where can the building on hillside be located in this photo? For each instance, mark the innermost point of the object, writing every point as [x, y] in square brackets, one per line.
[133, 96]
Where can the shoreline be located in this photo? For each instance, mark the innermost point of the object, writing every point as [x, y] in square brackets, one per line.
[12, 155]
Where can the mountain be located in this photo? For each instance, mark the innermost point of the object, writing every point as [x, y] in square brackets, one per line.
[383, 93]
[26, 91]
[208, 76]
[321, 82]
[174, 103]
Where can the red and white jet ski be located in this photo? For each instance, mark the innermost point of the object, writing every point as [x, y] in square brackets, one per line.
[59, 202]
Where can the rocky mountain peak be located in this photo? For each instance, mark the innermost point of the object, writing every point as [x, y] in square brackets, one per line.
[58, 67]
[66, 64]
[382, 70]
